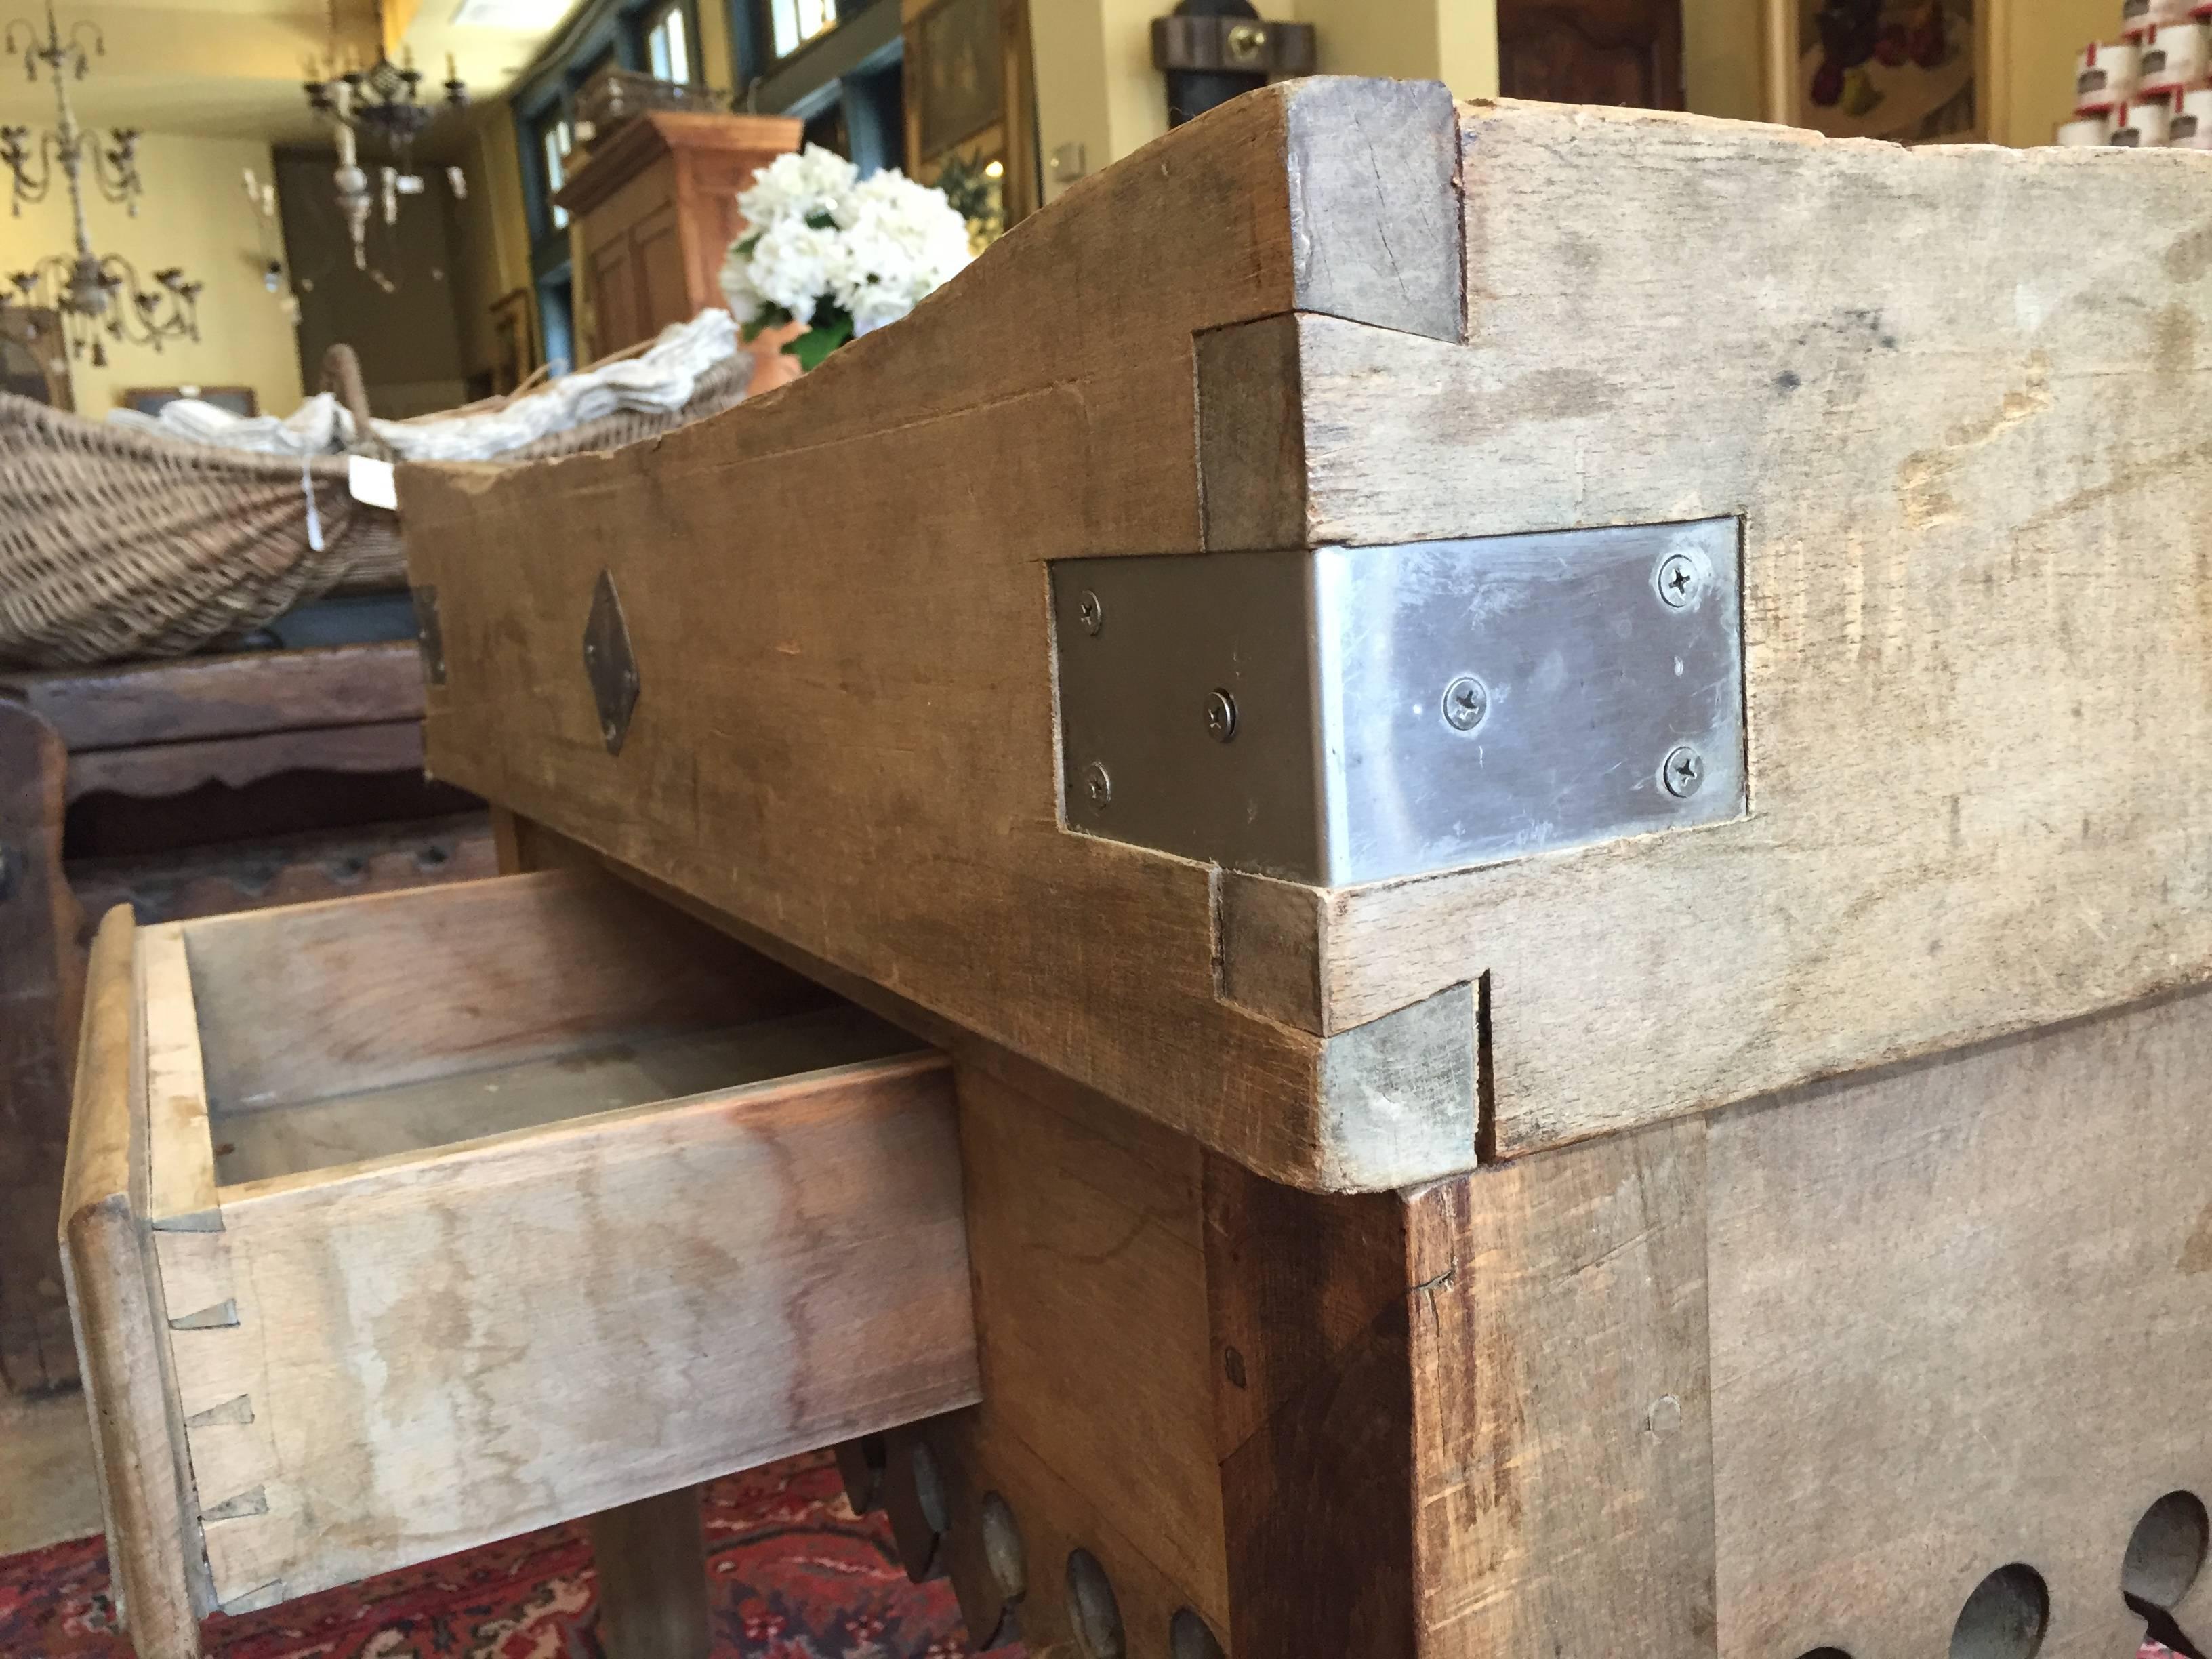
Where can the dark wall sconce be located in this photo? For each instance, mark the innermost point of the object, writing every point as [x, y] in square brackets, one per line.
[1213, 50]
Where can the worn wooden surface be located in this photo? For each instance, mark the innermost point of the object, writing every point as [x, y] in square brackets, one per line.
[1312, 1381]
[181, 1152]
[931, 696]
[651, 1557]
[1469, 1419]
[1562, 1477]
[116, 1301]
[1957, 1323]
[567, 1319]
[1095, 1431]
[196, 698]
[602, 1073]
[165, 733]
[1953, 394]
[304, 1003]
[172, 768]
[40, 989]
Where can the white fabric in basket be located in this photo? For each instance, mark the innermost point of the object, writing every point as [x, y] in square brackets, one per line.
[658, 381]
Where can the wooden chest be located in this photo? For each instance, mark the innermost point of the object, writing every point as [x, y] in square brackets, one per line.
[1543, 768]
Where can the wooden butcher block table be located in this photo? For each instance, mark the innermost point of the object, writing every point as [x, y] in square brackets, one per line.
[1542, 771]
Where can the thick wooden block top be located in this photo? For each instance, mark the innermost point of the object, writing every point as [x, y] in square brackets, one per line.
[1952, 402]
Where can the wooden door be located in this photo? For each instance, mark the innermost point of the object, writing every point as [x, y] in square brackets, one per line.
[1592, 52]
[664, 292]
[614, 297]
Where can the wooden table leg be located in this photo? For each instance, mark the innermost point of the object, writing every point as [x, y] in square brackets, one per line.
[652, 1557]
[41, 983]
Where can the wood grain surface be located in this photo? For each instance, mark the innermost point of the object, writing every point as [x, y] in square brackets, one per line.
[566, 1320]
[853, 749]
[1952, 394]
[1095, 1431]
[196, 698]
[174, 769]
[1955, 1328]
[316, 1001]
[40, 992]
[116, 1303]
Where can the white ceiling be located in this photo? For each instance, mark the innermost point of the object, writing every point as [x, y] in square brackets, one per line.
[233, 68]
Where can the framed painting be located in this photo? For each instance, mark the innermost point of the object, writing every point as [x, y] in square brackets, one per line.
[957, 80]
[1911, 71]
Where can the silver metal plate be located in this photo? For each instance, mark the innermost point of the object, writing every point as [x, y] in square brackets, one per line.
[1351, 713]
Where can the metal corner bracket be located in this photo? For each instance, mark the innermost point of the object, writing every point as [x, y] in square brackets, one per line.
[1348, 714]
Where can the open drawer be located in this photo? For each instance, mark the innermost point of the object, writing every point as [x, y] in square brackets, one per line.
[396, 1225]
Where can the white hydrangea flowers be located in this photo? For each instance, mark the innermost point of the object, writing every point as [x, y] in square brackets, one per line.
[841, 254]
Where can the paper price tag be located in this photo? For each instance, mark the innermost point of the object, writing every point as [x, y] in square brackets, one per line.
[372, 481]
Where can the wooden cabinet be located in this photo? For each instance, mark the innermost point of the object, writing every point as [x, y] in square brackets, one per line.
[1592, 52]
[655, 208]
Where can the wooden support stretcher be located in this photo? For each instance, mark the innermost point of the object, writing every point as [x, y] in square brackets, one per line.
[1440, 1173]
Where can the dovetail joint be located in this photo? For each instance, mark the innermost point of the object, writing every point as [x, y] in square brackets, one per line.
[207, 1319]
[255, 1502]
[239, 1409]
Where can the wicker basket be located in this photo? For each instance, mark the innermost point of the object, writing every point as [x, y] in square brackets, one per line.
[118, 544]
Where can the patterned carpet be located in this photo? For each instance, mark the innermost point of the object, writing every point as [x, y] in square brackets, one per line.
[795, 1576]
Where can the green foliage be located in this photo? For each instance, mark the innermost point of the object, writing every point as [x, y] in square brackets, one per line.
[832, 328]
[974, 195]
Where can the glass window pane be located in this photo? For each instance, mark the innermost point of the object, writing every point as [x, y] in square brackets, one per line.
[795, 22]
[656, 50]
[680, 48]
[556, 142]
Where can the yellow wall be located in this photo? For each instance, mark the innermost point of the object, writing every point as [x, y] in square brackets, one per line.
[194, 214]
[1455, 41]
[1724, 69]
[1096, 86]
[2045, 35]
[491, 240]
[714, 59]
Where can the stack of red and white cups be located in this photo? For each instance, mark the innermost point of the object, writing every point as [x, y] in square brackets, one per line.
[2152, 86]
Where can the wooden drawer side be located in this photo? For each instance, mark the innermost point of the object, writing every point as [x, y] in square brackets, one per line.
[313, 1000]
[425, 1352]
[117, 1308]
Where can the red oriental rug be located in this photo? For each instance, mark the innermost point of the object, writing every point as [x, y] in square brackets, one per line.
[794, 1575]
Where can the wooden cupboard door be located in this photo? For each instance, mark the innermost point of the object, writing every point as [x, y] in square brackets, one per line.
[1592, 52]
[664, 290]
[615, 321]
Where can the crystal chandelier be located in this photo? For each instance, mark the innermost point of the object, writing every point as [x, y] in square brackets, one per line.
[95, 294]
[383, 99]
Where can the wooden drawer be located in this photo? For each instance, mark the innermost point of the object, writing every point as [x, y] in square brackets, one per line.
[397, 1224]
